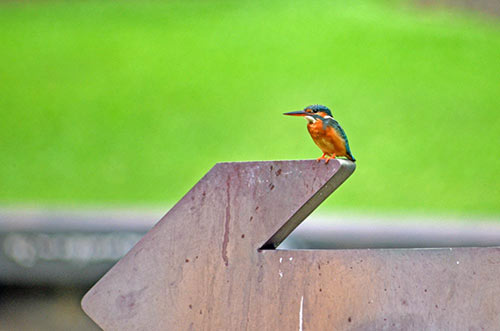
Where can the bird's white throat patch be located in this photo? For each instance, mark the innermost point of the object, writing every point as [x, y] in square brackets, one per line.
[311, 119]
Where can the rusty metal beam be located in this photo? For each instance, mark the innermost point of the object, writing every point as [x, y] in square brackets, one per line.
[201, 266]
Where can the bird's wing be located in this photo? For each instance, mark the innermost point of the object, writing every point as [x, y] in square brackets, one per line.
[330, 122]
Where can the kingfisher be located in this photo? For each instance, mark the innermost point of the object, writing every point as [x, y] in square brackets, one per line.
[326, 132]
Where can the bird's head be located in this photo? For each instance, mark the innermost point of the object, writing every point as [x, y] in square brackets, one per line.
[312, 113]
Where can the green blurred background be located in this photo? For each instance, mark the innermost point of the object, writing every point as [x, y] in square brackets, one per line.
[127, 104]
[130, 103]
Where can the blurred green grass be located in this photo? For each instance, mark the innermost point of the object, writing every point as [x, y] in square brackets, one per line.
[106, 102]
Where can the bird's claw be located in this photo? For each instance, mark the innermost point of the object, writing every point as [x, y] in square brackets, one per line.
[322, 157]
[329, 158]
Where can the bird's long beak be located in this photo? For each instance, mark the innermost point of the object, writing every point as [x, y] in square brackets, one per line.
[297, 113]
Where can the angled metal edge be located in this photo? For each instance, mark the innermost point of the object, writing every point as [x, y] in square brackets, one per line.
[345, 170]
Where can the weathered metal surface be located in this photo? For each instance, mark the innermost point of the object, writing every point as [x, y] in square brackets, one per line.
[200, 267]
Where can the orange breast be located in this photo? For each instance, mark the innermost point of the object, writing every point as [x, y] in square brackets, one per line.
[327, 140]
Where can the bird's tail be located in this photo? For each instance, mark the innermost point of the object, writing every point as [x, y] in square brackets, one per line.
[350, 157]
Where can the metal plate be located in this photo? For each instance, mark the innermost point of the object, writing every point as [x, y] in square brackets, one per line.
[201, 266]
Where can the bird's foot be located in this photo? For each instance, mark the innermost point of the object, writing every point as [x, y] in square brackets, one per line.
[329, 158]
[322, 157]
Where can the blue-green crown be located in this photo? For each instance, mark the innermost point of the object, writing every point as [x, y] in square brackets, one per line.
[319, 108]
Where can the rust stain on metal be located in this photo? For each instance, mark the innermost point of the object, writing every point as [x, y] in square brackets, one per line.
[127, 304]
[225, 240]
